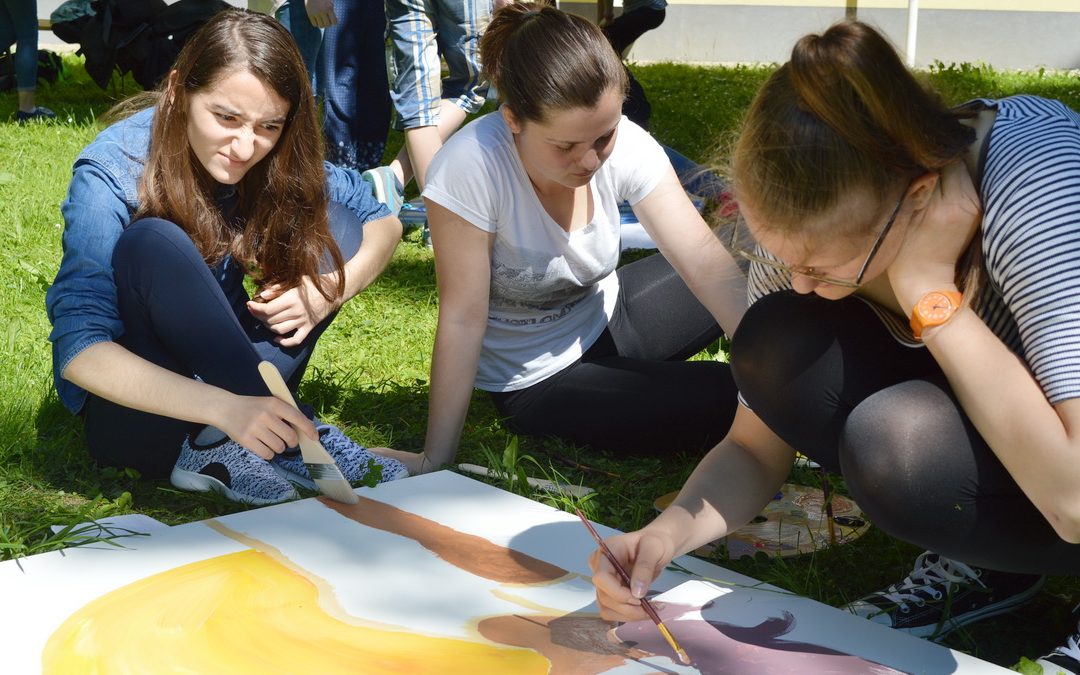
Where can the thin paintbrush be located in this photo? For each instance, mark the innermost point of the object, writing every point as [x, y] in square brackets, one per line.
[645, 604]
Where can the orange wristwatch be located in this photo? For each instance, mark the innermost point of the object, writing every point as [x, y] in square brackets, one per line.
[934, 309]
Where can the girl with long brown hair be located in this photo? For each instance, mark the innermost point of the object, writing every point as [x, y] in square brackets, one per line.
[523, 206]
[915, 326]
[219, 176]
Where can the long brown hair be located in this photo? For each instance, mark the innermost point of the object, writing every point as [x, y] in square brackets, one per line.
[282, 201]
[541, 59]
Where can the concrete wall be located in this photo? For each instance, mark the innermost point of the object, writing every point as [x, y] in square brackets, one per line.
[1007, 34]
[1041, 34]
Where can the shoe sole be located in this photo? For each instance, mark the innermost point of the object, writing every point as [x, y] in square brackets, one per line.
[193, 481]
[383, 187]
[949, 625]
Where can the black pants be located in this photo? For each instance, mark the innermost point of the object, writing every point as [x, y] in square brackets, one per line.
[828, 378]
[633, 391]
[188, 318]
[629, 26]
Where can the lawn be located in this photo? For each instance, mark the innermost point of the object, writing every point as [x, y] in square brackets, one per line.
[370, 372]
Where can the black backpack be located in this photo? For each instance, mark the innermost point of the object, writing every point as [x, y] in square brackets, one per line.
[150, 56]
[142, 37]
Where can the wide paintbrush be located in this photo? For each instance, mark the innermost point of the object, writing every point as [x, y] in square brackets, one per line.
[322, 467]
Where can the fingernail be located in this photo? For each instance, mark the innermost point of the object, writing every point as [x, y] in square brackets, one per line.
[637, 589]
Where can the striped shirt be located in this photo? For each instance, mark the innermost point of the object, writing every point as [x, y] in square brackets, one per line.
[1030, 191]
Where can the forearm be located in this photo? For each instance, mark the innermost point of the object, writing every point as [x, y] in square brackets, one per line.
[453, 374]
[718, 283]
[381, 238]
[730, 486]
[111, 372]
[1011, 413]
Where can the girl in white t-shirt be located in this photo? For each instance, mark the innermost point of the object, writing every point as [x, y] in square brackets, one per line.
[523, 209]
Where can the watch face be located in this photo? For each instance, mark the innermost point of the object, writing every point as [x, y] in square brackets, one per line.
[935, 307]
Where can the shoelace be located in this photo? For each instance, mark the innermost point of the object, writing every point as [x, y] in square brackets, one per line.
[926, 575]
[1072, 647]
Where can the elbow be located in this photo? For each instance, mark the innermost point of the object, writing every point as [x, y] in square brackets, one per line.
[1065, 519]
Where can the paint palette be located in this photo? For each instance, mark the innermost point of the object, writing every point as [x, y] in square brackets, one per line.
[793, 523]
[435, 573]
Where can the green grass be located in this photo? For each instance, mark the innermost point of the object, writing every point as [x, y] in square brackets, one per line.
[370, 371]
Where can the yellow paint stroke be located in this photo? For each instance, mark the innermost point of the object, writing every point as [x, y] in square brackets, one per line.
[247, 613]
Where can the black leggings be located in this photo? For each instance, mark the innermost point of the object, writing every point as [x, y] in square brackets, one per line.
[633, 391]
[829, 379]
[190, 319]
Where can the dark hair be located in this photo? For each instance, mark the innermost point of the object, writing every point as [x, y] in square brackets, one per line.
[282, 199]
[540, 58]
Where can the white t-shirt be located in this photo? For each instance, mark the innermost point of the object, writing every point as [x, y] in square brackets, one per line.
[552, 292]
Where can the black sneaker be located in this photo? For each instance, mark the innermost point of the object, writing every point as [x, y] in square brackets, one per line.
[1064, 659]
[37, 114]
[941, 595]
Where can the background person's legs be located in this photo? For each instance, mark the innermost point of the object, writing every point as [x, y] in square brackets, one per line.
[18, 24]
[352, 81]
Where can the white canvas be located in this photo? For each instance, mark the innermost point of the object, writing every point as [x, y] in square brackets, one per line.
[427, 600]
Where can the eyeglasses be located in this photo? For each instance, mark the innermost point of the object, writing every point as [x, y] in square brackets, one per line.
[809, 272]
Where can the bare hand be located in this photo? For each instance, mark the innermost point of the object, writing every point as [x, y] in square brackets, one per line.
[292, 312]
[927, 260]
[644, 555]
[321, 13]
[264, 424]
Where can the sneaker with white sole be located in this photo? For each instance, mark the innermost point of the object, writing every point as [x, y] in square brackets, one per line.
[1065, 659]
[386, 187]
[941, 595]
[232, 470]
[354, 460]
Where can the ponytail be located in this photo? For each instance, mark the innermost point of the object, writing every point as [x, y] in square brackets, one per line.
[843, 114]
[540, 59]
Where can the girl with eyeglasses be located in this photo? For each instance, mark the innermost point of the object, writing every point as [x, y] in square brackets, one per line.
[915, 326]
[523, 206]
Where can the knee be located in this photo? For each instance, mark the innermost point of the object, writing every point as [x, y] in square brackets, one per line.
[893, 461]
[779, 338]
[149, 239]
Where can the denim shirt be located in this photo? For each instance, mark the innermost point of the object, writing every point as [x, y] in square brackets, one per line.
[101, 200]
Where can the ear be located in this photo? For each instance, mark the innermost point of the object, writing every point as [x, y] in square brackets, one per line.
[921, 189]
[511, 119]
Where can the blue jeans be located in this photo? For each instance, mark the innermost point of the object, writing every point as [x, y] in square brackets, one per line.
[308, 38]
[184, 316]
[347, 63]
[421, 31]
[18, 26]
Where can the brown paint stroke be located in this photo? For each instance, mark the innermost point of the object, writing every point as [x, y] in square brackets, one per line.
[574, 644]
[473, 554]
